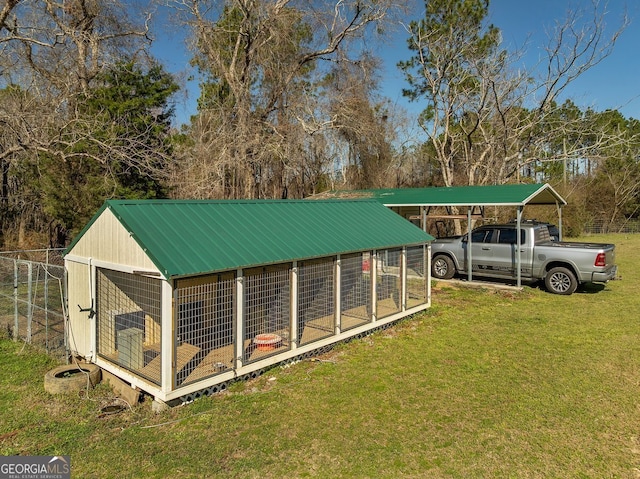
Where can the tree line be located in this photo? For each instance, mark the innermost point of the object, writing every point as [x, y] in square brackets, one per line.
[289, 106]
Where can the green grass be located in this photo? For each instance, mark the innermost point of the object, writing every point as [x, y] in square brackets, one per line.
[485, 384]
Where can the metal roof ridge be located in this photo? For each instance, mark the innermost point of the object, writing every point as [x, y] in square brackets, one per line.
[231, 201]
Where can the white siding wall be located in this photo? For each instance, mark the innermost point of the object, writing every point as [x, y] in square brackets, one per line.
[107, 240]
[79, 294]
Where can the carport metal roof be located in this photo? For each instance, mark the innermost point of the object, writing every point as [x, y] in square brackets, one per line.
[493, 195]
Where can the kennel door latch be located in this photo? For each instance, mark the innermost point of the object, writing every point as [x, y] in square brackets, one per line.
[90, 310]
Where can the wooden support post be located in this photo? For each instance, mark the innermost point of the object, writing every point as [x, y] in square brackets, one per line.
[338, 305]
[167, 337]
[293, 313]
[239, 336]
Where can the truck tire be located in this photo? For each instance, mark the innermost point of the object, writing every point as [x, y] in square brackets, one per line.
[561, 280]
[442, 267]
[71, 378]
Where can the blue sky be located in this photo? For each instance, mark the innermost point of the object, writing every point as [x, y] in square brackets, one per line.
[613, 84]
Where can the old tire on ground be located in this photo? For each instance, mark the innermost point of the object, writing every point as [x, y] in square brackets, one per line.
[442, 267]
[71, 378]
[561, 280]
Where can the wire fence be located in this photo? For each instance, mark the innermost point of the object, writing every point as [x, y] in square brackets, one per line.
[604, 226]
[32, 292]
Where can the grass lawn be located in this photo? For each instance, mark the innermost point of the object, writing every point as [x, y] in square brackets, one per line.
[485, 384]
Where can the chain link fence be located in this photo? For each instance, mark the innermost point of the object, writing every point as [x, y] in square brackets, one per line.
[32, 292]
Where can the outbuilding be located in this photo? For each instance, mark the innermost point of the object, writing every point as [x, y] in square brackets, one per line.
[179, 297]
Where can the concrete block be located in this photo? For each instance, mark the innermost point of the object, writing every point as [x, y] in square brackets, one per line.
[121, 388]
[158, 406]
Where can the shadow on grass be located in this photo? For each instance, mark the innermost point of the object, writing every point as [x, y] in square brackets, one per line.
[584, 288]
[591, 288]
[489, 282]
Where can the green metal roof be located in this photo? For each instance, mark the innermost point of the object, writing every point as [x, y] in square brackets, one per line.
[187, 237]
[493, 195]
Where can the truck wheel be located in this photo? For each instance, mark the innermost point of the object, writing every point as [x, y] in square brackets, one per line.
[442, 267]
[560, 280]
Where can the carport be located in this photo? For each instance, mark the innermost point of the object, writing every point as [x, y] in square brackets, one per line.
[417, 203]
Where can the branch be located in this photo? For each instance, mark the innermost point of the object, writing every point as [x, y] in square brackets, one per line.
[574, 49]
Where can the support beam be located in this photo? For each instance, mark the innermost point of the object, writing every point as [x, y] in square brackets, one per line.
[427, 273]
[293, 316]
[403, 279]
[93, 325]
[167, 338]
[239, 329]
[338, 295]
[475, 216]
[373, 286]
[519, 247]
[469, 246]
[560, 234]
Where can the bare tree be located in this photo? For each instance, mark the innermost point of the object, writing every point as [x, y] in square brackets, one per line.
[486, 119]
[52, 55]
[52, 51]
[263, 62]
[361, 122]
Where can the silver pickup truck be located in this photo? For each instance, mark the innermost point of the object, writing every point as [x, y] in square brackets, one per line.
[562, 265]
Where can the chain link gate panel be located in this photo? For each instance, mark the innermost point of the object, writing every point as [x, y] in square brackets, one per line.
[32, 303]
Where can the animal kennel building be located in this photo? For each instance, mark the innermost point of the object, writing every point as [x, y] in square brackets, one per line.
[179, 297]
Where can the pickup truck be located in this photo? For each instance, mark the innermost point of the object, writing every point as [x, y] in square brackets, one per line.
[561, 265]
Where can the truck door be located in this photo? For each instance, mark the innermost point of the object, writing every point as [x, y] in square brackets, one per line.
[481, 249]
[504, 261]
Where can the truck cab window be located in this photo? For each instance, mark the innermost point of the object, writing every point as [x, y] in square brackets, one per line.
[481, 236]
[508, 236]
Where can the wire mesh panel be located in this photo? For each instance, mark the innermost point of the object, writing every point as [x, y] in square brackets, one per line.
[316, 291]
[389, 282]
[7, 298]
[128, 313]
[355, 290]
[47, 318]
[267, 307]
[204, 308]
[16, 289]
[416, 277]
[31, 307]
